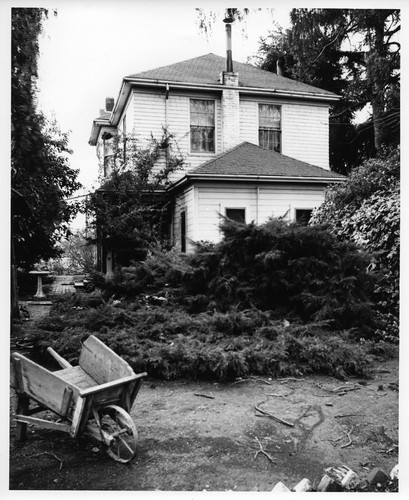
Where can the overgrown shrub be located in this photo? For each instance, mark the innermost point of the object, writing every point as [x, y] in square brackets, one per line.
[365, 210]
[294, 271]
[170, 343]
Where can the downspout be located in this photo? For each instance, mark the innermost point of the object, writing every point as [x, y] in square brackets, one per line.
[166, 104]
[257, 202]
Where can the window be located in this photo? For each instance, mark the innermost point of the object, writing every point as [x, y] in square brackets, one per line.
[202, 126]
[303, 216]
[236, 214]
[269, 127]
[183, 231]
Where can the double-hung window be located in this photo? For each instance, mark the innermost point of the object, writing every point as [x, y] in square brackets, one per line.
[202, 126]
[269, 126]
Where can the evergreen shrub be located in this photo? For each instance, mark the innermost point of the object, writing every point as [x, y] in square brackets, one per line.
[172, 344]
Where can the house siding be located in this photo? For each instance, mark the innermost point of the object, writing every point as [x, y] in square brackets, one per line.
[152, 112]
[304, 129]
[185, 201]
[260, 203]
[306, 135]
[304, 126]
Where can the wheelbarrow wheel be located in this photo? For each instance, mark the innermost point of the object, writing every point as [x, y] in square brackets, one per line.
[117, 423]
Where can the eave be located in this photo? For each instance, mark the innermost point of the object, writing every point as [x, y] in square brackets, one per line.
[97, 124]
[189, 178]
[129, 82]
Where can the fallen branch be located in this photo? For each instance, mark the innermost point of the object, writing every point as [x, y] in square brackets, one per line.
[347, 389]
[349, 437]
[285, 380]
[268, 414]
[261, 450]
[48, 453]
[348, 415]
[240, 381]
[203, 395]
[261, 380]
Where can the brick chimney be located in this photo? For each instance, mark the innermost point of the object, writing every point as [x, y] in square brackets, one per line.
[109, 103]
[230, 94]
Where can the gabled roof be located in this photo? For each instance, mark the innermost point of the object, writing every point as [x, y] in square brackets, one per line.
[254, 163]
[206, 70]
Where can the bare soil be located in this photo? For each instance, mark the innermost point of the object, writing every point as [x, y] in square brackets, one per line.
[188, 442]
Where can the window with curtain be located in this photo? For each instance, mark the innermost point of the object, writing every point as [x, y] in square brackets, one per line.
[269, 127]
[202, 126]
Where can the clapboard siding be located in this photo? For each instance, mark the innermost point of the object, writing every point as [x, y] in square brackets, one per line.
[248, 121]
[260, 203]
[184, 202]
[305, 134]
[304, 129]
[152, 112]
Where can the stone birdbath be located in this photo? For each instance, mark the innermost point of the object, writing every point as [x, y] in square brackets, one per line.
[39, 294]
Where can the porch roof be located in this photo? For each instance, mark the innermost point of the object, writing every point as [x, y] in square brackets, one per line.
[254, 163]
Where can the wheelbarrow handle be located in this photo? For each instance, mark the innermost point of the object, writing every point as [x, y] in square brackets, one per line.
[61, 361]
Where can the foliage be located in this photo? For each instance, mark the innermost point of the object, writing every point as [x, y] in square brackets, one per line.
[131, 206]
[171, 344]
[41, 178]
[354, 53]
[365, 209]
[78, 255]
[292, 270]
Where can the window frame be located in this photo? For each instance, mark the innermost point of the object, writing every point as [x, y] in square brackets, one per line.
[191, 150]
[183, 230]
[235, 208]
[278, 130]
[302, 209]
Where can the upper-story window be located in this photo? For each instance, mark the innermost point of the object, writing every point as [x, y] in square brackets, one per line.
[202, 126]
[269, 126]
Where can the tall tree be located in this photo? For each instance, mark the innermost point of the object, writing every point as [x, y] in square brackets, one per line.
[354, 53]
[41, 179]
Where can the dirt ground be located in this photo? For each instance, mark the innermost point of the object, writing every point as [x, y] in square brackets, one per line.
[189, 442]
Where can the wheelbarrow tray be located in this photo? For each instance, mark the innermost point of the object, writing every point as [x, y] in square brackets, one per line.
[102, 378]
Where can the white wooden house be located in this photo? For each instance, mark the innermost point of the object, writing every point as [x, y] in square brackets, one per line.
[256, 143]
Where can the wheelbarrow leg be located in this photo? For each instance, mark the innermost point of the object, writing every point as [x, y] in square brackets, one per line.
[23, 403]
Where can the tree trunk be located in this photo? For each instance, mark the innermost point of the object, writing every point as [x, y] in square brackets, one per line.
[14, 309]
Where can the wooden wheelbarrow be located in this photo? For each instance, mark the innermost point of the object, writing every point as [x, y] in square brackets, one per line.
[92, 399]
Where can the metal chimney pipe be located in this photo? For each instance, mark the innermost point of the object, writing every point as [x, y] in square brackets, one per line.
[229, 61]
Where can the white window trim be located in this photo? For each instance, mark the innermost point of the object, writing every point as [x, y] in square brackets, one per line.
[203, 154]
[279, 105]
[229, 207]
[294, 211]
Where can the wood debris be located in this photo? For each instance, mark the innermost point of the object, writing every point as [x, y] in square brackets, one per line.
[51, 455]
[261, 450]
[268, 414]
[203, 395]
[349, 437]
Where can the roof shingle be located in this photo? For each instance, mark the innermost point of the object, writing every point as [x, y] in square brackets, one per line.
[251, 160]
[207, 69]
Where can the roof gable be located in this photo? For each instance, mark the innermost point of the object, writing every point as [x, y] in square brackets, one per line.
[247, 159]
[206, 70]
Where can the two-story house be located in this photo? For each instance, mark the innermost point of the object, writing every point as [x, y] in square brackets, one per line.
[256, 143]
